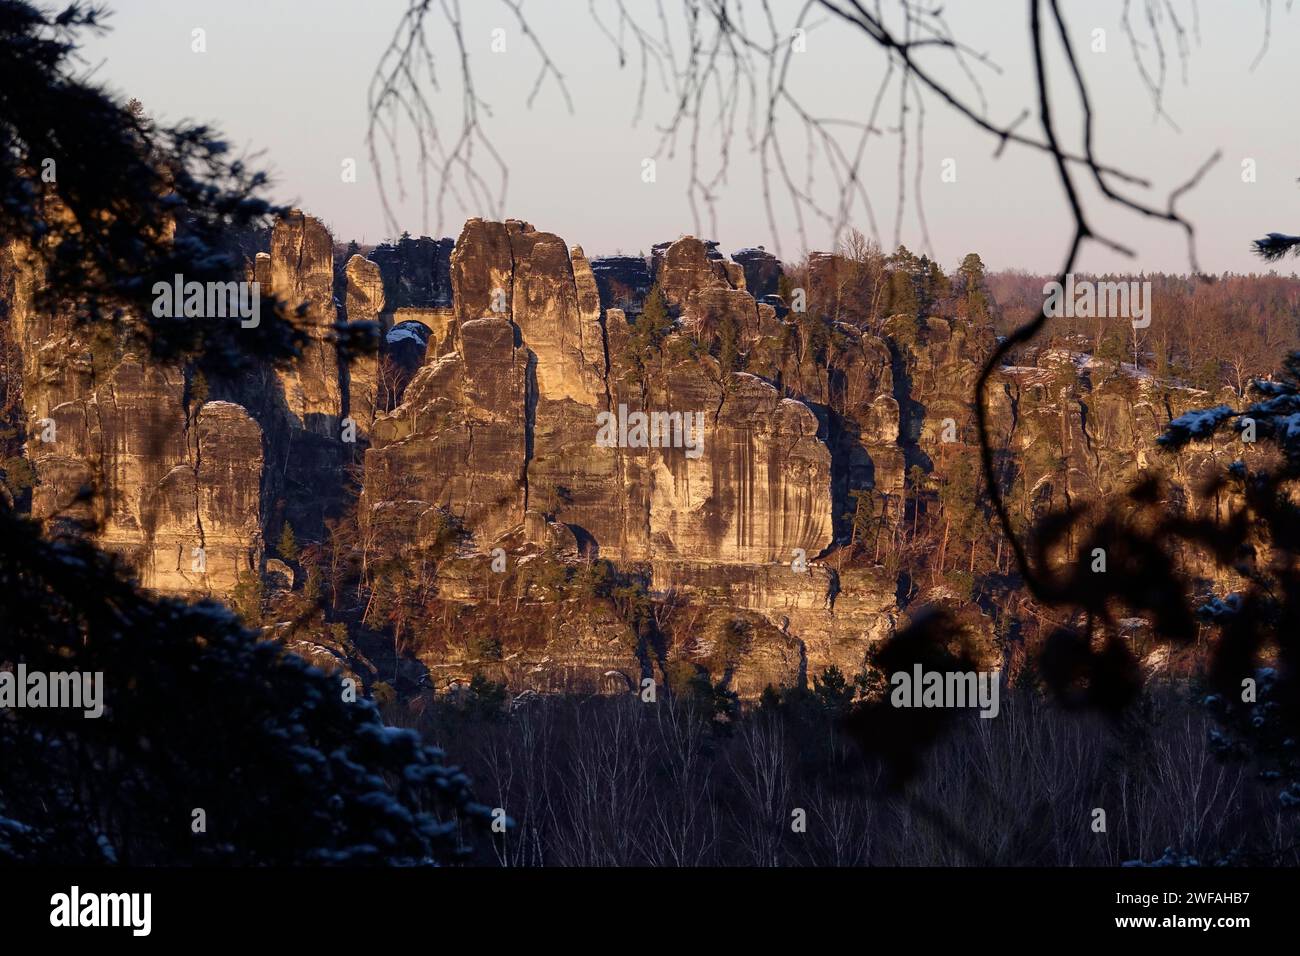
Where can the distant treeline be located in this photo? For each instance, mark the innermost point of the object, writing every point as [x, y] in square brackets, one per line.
[1209, 332]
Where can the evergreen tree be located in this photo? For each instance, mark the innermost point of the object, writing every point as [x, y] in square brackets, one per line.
[729, 354]
[861, 516]
[655, 321]
[287, 545]
[649, 331]
[902, 293]
[934, 286]
[785, 288]
[971, 272]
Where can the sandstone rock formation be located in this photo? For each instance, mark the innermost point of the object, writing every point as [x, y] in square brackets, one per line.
[502, 355]
[759, 488]
[302, 274]
[127, 447]
[365, 302]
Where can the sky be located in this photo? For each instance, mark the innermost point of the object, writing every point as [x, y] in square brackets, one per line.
[287, 80]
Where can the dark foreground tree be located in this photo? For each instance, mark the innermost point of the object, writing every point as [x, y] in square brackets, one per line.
[213, 746]
[111, 203]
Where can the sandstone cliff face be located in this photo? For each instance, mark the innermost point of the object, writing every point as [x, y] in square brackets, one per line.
[1082, 431]
[228, 468]
[527, 438]
[124, 445]
[508, 423]
[302, 274]
[365, 302]
[458, 439]
[501, 353]
[503, 430]
[691, 266]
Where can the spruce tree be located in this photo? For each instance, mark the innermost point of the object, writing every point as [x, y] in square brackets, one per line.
[287, 545]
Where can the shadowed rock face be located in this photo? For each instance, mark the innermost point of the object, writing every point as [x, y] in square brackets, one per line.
[407, 343]
[416, 272]
[762, 271]
[623, 282]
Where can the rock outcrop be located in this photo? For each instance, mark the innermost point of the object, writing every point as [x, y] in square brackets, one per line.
[365, 301]
[130, 449]
[518, 405]
[302, 274]
[724, 461]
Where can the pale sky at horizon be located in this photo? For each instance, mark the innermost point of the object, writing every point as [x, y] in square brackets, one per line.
[289, 78]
